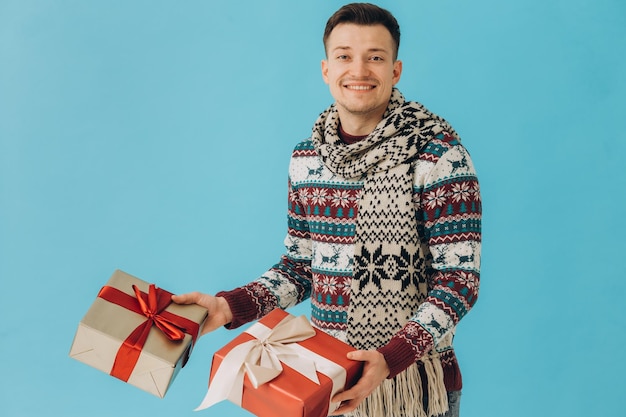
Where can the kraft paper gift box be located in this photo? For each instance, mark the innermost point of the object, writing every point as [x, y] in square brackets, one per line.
[134, 332]
[247, 371]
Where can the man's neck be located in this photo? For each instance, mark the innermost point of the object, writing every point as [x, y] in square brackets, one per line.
[359, 125]
[358, 130]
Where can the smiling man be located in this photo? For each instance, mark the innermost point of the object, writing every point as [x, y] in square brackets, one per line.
[384, 230]
[361, 69]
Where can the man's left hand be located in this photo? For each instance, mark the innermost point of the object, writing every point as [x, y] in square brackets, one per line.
[375, 371]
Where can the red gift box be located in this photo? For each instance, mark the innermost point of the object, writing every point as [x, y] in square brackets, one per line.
[293, 392]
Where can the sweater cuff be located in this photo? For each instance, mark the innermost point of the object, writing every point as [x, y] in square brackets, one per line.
[400, 353]
[241, 305]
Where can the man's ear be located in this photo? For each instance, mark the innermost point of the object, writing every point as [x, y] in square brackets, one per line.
[325, 70]
[397, 71]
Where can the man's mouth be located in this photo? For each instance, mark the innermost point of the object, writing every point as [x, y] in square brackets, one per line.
[359, 87]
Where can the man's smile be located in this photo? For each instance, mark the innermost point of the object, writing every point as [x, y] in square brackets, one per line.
[359, 87]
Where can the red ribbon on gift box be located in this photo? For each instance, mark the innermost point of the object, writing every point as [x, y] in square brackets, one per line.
[151, 305]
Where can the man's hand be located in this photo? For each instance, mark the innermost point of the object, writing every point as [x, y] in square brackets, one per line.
[375, 371]
[219, 310]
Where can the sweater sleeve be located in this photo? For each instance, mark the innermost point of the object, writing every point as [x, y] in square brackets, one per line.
[449, 213]
[287, 283]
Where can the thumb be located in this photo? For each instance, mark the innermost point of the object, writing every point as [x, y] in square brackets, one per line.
[357, 355]
[189, 298]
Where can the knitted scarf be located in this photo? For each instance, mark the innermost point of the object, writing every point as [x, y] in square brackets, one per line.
[389, 280]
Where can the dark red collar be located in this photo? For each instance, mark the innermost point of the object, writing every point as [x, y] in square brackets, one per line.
[348, 138]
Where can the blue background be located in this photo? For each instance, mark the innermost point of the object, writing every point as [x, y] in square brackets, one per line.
[154, 137]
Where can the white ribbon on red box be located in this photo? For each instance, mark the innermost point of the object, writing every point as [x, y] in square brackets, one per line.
[261, 359]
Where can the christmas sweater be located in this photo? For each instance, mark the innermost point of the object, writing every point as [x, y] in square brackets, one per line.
[319, 257]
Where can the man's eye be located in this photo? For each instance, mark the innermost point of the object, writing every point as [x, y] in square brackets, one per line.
[342, 57]
[376, 58]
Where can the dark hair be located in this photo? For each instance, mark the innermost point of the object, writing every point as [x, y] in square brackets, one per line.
[364, 14]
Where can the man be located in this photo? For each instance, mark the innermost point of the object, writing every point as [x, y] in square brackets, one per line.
[384, 230]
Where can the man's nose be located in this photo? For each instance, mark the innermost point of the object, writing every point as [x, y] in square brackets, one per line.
[359, 68]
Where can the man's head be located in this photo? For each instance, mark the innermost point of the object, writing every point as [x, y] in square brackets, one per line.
[361, 65]
[364, 14]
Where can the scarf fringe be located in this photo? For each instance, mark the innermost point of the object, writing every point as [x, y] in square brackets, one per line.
[437, 394]
[402, 396]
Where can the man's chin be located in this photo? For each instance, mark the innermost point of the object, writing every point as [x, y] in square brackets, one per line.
[359, 109]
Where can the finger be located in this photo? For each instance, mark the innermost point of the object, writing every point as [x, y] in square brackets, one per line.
[345, 407]
[189, 298]
[357, 355]
[362, 355]
[350, 395]
[342, 396]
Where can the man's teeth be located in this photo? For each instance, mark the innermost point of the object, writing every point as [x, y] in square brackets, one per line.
[359, 87]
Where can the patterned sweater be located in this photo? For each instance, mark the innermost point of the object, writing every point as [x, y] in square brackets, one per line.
[319, 254]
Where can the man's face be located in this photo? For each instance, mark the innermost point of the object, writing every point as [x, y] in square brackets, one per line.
[360, 70]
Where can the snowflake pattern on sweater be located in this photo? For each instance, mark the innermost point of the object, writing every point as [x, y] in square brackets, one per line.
[319, 258]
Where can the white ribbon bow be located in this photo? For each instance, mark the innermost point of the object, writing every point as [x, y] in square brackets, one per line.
[261, 360]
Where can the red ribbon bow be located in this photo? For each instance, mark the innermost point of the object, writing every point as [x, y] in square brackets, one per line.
[152, 306]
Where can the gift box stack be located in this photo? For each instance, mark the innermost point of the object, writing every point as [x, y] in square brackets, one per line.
[282, 367]
[134, 332]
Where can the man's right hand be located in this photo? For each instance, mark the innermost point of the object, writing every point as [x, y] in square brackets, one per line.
[219, 310]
